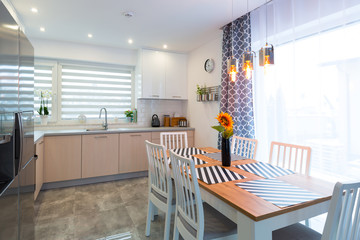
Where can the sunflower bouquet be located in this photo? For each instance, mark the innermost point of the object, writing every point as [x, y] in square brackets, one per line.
[226, 125]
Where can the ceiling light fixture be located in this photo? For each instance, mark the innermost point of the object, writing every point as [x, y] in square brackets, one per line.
[42, 29]
[34, 10]
[128, 14]
[266, 54]
[232, 63]
[90, 35]
[165, 46]
[248, 56]
[130, 41]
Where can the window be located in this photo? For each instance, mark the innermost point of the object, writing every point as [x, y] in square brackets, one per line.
[43, 76]
[85, 90]
[310, 97]
[80, 88]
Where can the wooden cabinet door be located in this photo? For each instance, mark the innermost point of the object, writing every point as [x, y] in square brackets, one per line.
[132, 155]
[39, 172]
[62, 158]
[176, 76]
[100, 155]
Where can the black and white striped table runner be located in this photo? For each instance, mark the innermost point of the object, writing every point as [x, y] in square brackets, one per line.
[265, 170]
[216, 174]
[277, 192]
[188, 151]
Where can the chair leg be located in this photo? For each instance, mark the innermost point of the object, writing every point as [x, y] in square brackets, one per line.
[150, 217]
[167, 223]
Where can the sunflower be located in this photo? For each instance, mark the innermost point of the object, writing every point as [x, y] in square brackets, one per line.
[225, 120]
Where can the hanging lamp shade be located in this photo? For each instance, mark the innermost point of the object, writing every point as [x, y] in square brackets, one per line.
[266, 55]
[232, 66]
[248, 63]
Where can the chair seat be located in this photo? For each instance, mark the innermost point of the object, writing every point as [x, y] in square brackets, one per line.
[216, 224]
[296, 231]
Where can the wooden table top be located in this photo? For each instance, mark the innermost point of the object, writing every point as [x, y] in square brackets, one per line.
[253, 206]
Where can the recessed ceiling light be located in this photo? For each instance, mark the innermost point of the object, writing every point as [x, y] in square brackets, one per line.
[90, 35]
[34, 10]
[130, 41]
[42, 29]
[165, 46]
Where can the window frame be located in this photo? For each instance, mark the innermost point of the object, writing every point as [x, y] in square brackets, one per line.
[56, 100]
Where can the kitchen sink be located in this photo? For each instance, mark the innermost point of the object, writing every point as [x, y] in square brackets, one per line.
[96, 129]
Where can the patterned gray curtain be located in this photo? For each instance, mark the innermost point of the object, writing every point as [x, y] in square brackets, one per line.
[237, 97]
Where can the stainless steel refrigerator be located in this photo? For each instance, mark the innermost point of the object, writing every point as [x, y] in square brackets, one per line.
[17, 163]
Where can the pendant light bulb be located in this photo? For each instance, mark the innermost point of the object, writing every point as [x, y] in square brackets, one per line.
[233, 68]
[248, 63]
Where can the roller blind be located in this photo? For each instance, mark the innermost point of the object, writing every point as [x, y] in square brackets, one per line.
[87, 89]
[42, 81]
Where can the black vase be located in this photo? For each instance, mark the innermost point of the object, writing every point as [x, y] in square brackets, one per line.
[225, 152]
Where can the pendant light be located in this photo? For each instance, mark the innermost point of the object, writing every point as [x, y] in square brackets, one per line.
[248, 56]
[232, 63]
[266, 54]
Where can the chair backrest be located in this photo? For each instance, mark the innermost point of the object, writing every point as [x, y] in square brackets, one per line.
[190, 212]
[343, 220]
[245, 147]
[159, 171]
[172, 140]
[290, 156]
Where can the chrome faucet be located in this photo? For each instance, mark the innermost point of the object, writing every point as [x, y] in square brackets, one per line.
[105, 124]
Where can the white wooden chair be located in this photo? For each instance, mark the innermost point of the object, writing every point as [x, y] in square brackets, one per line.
[172, 140]
[160, 186]
[245, 147]
[342, 222]
[193, 218]
[290, 156]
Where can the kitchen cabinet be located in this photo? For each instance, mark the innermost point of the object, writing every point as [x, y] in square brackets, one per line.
[62, 158]
[175, 77]
[155, 138]
[39, 166]
[163, 74]
[100, 155]
[132, 152]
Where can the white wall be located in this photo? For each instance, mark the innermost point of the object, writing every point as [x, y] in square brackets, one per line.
[201, 115]
[83, 52]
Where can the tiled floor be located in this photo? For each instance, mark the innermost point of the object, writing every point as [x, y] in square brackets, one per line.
[96, 211]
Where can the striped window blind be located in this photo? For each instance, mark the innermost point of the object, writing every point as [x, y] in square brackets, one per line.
[43, 81]
[9, 86]
[87, 89]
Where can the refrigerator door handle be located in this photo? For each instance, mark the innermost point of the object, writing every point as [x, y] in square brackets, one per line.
[5, 138]
[18, 117]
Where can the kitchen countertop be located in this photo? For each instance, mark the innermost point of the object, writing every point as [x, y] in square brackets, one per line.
[40, 134]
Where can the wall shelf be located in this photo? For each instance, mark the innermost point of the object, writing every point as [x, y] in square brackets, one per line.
[211, 94]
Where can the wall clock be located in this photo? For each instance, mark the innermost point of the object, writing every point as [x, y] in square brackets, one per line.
[209, 65]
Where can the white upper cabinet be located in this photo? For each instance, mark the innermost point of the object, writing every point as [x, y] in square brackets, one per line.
[162, 75]
[176, 72]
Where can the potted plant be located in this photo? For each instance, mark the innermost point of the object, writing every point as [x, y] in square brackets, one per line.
[129, 115]
[198, 93]
[204, 96]
[43, 110]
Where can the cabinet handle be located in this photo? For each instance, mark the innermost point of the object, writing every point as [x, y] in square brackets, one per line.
[100, 136]
[176, 96]
[41, 142]
[135, 135]
[155, 95]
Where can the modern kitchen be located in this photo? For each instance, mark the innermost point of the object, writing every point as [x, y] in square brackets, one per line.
[90, 91]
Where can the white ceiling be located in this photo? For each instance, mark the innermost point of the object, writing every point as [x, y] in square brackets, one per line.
[183, 24]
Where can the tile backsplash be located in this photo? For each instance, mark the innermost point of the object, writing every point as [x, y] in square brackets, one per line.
[146, 108]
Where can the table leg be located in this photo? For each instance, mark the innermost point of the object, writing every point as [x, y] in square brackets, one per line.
[248, 229]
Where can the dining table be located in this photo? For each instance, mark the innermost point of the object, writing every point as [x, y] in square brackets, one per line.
[256, 217]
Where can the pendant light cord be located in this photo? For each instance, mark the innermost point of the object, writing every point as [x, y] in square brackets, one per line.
[232, 28]
[266, 20]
